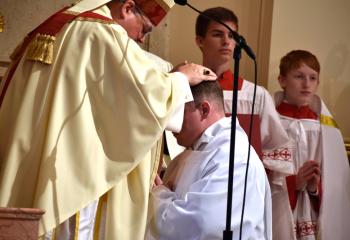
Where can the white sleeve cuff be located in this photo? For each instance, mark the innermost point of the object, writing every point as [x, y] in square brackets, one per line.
[183, 80]
[175, 121]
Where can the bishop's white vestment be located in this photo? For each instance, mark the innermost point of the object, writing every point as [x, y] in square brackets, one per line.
[78, 122]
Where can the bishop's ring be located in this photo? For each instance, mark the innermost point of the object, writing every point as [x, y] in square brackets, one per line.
[206, 72]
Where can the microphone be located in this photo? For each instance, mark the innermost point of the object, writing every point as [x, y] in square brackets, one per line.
[181, 2]
[240, 41]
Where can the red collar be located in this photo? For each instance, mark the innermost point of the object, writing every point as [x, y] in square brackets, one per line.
[289, 110]
[226, 81]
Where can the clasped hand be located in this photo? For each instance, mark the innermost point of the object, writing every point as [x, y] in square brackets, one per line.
[308, 175]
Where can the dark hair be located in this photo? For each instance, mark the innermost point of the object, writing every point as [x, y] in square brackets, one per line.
[208, 90]
[295, 58]
[219, 13]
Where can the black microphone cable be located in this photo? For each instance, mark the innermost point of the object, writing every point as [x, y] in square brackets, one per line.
[249, 147]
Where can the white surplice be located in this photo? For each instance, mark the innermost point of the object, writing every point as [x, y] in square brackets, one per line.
[274, 140]
[196, 209]
[318, 140]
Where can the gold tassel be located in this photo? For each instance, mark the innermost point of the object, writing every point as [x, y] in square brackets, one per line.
[40, 49]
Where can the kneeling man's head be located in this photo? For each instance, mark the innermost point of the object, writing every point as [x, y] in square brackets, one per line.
[206, 108]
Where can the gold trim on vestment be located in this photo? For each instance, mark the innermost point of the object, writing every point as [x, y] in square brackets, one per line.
[77, 223]
[328, 121]
[95, 20]
[71, 12]
[40, 49]
[98, 216]
[53, 234]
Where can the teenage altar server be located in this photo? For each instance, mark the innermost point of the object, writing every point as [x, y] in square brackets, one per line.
[313, 203]
[217, 44]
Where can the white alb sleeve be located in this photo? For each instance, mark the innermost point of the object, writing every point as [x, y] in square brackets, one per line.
[175, 121]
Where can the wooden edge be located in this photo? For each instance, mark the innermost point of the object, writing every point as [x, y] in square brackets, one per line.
[21, 213]
[347, 147]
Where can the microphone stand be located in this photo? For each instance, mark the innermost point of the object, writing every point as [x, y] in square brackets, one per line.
[227, 234]
[240, 43]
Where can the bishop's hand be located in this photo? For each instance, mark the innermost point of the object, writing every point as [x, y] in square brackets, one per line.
[195, 73]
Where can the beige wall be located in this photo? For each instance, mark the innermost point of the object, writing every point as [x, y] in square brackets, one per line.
[322, 27]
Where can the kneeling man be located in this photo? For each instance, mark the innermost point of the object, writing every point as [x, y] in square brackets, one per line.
[190, 202]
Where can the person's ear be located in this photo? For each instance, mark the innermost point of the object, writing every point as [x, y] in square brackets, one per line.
[127, 9]
[199, 41]
[282, 80]
[121, 10]
[205, 109]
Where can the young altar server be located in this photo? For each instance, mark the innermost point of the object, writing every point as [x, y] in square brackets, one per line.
[313, 203]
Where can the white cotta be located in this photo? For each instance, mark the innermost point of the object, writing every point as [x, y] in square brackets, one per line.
[320, 141]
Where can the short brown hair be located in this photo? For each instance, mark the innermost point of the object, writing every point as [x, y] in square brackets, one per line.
[219, 13]
[295, 58]
[208, 90]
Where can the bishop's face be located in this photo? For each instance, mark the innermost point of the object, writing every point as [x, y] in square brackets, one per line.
[218, 43]
[300, 85]
[138, 26]
[132, 19]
